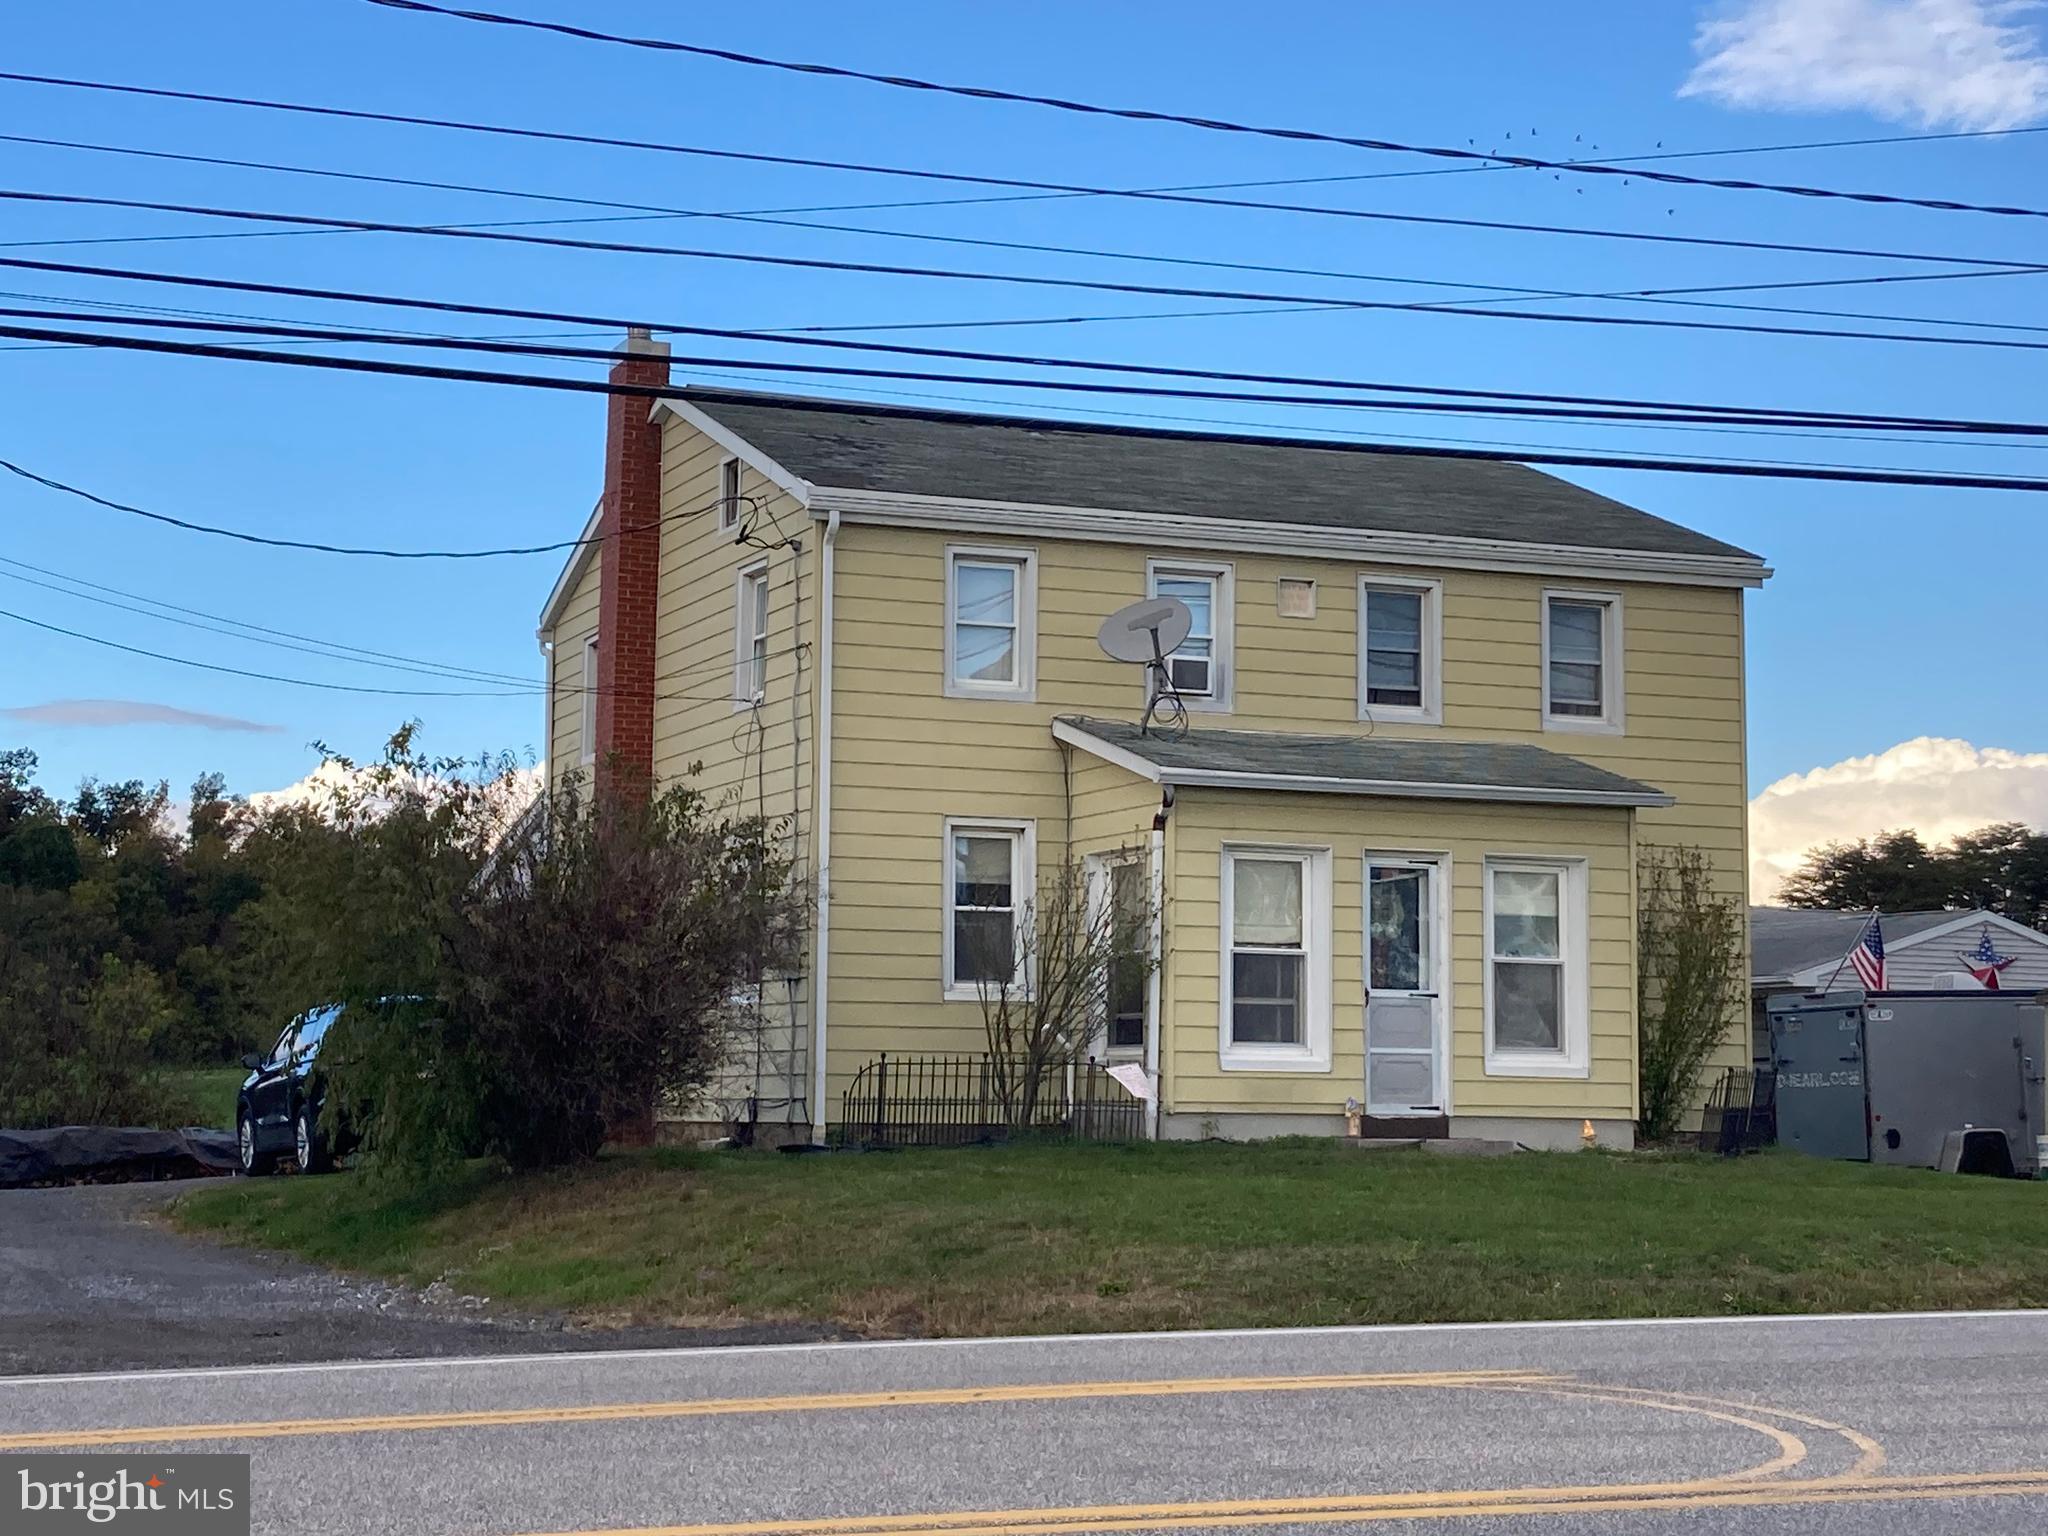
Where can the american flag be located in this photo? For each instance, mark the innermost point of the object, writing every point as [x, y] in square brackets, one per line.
[1868, 956]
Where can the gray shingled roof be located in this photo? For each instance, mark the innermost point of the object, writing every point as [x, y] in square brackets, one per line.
[1428, 769]
[1785, 940]
[850, 446]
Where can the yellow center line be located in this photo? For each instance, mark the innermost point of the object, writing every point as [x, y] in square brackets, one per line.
[273, 1429]
[1870, 1454]
[1791, 1449]
[1447, 1504]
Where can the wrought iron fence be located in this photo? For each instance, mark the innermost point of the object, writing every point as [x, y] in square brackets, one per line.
[953, 1101]
[1741, 1113]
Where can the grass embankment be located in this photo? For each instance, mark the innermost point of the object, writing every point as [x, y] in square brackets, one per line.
[207, 1094]
[1031, 1239]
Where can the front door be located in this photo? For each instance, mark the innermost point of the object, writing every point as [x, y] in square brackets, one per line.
[1403, 1011]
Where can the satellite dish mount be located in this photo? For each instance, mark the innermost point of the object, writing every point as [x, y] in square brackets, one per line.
[1146, 633]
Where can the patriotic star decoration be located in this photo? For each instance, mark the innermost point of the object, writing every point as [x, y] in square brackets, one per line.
[1985, 962]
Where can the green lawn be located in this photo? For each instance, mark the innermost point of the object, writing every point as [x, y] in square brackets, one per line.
[209, 1093]
[1047, 1238]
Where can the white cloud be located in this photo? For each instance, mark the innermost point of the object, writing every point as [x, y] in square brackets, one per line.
[1936, 786]
[1931, 63]
[325, 785]
[113, 712]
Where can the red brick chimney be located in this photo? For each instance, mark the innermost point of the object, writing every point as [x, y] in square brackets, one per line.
[631, 569]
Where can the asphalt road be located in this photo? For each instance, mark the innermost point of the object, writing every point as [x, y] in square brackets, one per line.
[88, 1282]
[1860, 1425]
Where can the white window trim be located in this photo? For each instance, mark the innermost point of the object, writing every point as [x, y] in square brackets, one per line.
[1223, 647]
[1098, 869]
[1575, 1056]
[1317, 895]
[729, 519]
[1025, 557]
[1431, 710]
[1611, 720]
[1023, 887]
[744, 695]
[587, 717]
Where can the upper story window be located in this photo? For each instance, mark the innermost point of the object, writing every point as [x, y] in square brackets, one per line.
[1582, 661]
[1200, 665]
[1536, 1007]
[991, 622]
[1400, 649]
[588, 719]
[988, 886]
[750, 638]
[729, 494]
[1275, 960]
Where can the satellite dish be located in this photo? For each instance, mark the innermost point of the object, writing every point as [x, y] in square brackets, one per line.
[1145, 631]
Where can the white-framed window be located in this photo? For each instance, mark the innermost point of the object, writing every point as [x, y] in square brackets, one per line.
[1400, 649]
[588, 720]
[729, 495]
[1536, 1005]
[750, 637]
[991, 622]
[1582, 661]
[988, 875]
[1119, 894]
[1201, 665]
[1274, 960]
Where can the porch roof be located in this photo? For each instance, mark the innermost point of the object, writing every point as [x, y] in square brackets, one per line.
[1355, 765]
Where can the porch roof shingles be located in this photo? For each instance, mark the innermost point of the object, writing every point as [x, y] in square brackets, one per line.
[1422, 769]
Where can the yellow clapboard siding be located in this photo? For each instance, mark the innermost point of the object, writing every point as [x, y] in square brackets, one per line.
[905, 757]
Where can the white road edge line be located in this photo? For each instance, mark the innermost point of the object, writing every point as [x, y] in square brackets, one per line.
[687, 1351]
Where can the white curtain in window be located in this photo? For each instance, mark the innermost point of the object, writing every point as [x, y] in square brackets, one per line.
[1266, 903]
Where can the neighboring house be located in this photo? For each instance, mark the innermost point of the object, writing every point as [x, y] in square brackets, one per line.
[1796, 949]
[1438, 707]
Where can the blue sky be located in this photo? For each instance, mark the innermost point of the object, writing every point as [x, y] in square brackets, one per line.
[1877, 628]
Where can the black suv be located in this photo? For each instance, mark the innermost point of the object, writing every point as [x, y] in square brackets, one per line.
[278, 1112]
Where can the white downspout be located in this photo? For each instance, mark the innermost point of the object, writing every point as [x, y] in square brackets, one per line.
[821, 965]
[547, 714]
[1157, 957]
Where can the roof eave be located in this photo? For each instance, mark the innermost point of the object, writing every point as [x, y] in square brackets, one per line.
[1215, 778]
[1296, 540]
[572, 571]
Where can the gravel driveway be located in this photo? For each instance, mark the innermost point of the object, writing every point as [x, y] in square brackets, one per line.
[88, 1282]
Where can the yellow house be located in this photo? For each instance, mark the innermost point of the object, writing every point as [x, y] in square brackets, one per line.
[1435, 708]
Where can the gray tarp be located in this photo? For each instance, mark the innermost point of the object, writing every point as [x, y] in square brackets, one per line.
[71, 1154]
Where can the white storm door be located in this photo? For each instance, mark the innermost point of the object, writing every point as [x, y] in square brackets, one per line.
[1403, 1011]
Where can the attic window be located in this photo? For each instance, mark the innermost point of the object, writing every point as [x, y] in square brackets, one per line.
[729, 493]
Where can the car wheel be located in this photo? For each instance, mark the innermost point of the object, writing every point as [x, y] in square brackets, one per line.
[255, 1163]
[308, 1145]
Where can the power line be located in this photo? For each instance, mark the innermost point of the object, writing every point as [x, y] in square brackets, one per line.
[1183, 420]
[1788, 430]
[195, 618]
[1052, 188]
[641, 212]
[1210, 124]
[958, 274]
[54, 484]
[1630, 415]
[1845, 473]
[532, 690]
[615, 323]
[268, 677]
